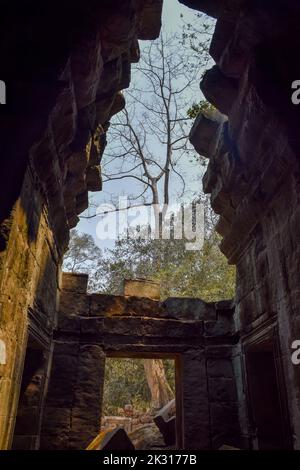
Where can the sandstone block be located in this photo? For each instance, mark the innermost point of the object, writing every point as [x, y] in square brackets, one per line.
[219, 90]
[75, 282]
[222, 390]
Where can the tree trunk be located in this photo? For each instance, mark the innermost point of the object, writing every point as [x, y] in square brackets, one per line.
[161, 392]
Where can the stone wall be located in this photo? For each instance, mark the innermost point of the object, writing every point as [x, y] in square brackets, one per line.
[199, 336]
[253, 173]
[29, 284]
[64, 65]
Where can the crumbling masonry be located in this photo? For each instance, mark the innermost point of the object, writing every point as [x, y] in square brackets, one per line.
[64, 64]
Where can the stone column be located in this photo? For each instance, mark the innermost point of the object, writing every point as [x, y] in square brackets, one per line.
[73, 406]
[196, 433]
[88, 396]
[56, 422]
[223, 400]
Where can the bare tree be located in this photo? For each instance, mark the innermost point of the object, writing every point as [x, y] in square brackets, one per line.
[148, 140]
[197, 36]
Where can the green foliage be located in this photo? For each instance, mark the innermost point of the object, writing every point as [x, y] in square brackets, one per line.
[125, 383]
[82, 252]
[202, 107]
[85, 256]
[201, 273]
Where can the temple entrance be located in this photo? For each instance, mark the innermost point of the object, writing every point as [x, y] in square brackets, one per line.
[267, 402]
[152, 418]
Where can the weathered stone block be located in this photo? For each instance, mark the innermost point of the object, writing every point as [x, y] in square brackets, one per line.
[117, 105]
[75, 282]
[219, 368]
[141, 288]
[224, 423]
[203, 135]
[82, 201]
[189, 309]
[223, 326]
[92, 326]
[195, 401]
[93, 178]
[87, 68]
[219, 90]
[27, 421]
[89, 382]
[56, 420]
[24, 443]
[223, 32]
[150, 21]
[74, 303]
[68, 323]
[83, 421]
[152, 327]
[63, 375]
[222, 389]
[101, 305]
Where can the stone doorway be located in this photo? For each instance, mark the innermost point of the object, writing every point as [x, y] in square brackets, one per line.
[268, 417]
[199, 336]
[165, 425]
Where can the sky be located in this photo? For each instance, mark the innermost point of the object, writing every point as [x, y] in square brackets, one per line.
[172, 10]
[172, 22]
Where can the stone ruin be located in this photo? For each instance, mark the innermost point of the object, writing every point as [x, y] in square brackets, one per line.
[199, 336]
[64, 72]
